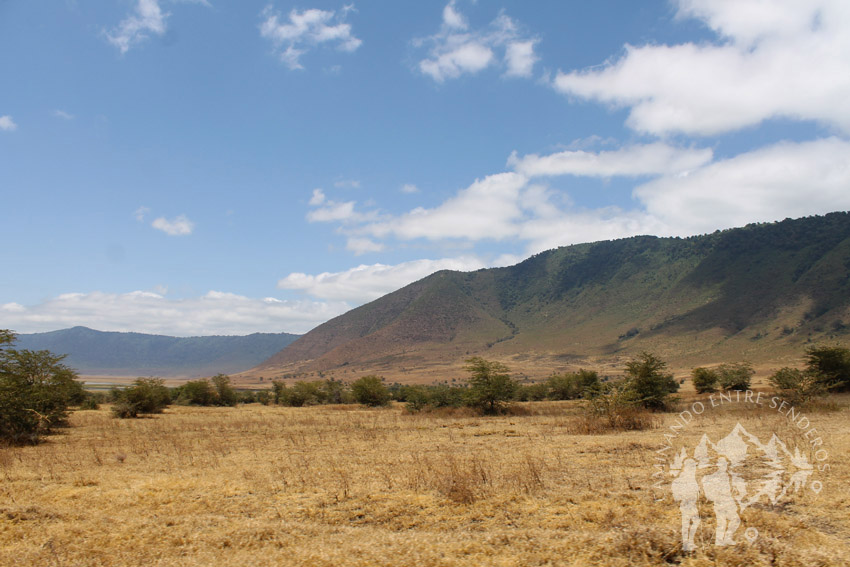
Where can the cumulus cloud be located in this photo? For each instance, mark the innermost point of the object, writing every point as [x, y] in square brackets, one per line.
[301, 31]
[63, 115]
[409, 188]
[456, 50]
[520, 58]
[646, 159]
[369, 282]
[487, 209]
[783, 180]
[215, 313]
[178, 226]
[147, 19]
[784, 59]
[328, 210]
[7, 124]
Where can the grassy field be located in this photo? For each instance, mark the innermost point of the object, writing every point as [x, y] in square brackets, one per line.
[343, 485]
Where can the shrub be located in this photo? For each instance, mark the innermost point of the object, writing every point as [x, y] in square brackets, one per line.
[573, 385]
[196, 393]
[490, 385]
[735, 376]
[704, 379]
[830, 365]
[36, 390]
[146, 395]
[90, 403]
[797, 387]
[264, 397]
[304, 394]
[648, 382]
[416, 398]
[444, 396]
[532, 392]
[614, 407]
[225, 394]
[370, 391]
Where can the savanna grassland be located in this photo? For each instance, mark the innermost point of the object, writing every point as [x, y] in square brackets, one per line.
[344, 485]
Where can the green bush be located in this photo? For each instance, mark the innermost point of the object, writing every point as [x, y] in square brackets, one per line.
[146, 395]
[36, 390]
[704, 379]
[445, 396]
[532, 392]
[830, 365]
[370, 391]
[224, 392]
[737, 376]
[490, 385]
[416, 398]
[796, 386]
[573, 385]
[197, 393]
[650, 386]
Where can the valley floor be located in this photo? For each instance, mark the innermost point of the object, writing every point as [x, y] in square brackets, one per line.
[343, 485]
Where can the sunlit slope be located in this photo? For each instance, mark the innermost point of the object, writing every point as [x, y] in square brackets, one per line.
[755, 292]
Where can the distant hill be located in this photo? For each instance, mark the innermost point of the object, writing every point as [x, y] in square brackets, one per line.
[761, 293]
[105, 353]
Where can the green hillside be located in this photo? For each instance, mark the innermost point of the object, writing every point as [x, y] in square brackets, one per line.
[758, 292]
[97, 352]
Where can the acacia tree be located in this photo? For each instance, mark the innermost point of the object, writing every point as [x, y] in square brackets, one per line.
[490, 384]
[647, 378]
[35, 391]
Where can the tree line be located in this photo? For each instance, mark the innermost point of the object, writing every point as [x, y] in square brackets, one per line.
[37, 390]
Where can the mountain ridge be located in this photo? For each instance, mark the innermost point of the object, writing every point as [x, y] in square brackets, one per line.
[93, 352]
[755, 292]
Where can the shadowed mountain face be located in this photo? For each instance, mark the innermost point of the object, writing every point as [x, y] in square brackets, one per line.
[755, 292]
[96, 352]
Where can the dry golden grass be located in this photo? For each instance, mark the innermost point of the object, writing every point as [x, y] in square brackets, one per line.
[339, 485]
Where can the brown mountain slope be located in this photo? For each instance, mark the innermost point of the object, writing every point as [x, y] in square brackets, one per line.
[760, 292]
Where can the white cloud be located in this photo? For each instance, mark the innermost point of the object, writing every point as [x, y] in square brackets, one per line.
[362, 246]
[785, 59]
[489, 208]
[452, 18]
[317, 198]
[409, 188]
[520, 58]
[63, 115]
[140, 213]
[347, 184]
[305, 30]
[147, 19]
[772, 183]
[455, 50]
[647, 159]
[333, 211]
[179, 226]
[7, 124]
[369, 282]
[215, 313]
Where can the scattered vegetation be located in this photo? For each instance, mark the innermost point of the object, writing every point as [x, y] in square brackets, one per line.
[648, 383]
[735, 376]
[490, 385]
[145, 396]
[370, 391]
[36, 390]
[704, 380]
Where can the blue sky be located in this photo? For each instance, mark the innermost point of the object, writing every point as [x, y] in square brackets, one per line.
[193, 167]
